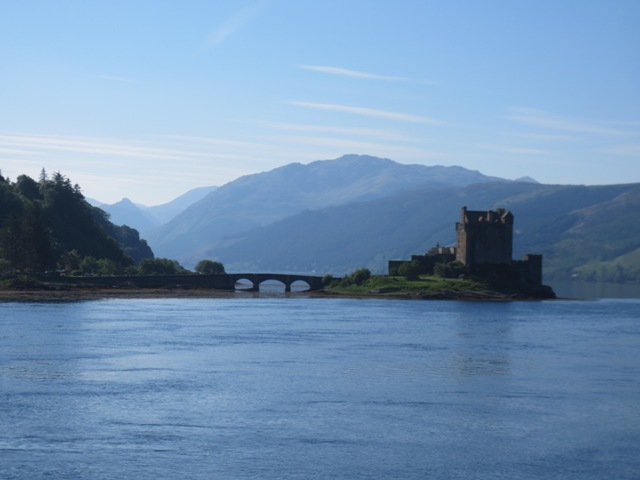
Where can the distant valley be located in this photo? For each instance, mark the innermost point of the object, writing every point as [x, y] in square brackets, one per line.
[145, 219]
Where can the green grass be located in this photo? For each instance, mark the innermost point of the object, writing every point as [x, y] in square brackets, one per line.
[425, 285]
[21, 282]
[623, 269]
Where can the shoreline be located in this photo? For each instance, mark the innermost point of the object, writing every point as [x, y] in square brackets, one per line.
[88, 293]
[91, 293]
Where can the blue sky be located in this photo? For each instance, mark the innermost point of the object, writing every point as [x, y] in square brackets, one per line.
[147, 99]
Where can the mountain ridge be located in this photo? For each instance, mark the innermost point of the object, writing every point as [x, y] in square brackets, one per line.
[144, 218]
[259, 199]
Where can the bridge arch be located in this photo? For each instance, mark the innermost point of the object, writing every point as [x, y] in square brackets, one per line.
[244, 284]
[292, 282]
[300, 285]
[273, 285]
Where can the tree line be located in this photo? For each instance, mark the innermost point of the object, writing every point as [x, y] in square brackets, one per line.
[47, 224]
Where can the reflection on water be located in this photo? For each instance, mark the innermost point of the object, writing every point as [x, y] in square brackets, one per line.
[271, 287]
[483, 340]
[578, 289]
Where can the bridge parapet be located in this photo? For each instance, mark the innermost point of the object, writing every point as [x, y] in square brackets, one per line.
[225, 281]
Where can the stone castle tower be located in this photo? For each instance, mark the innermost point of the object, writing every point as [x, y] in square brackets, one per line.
[484, 237]
[484, 243]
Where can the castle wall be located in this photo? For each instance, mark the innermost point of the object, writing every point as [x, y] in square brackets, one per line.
[484, 237]
[427, 262]
[530, 268]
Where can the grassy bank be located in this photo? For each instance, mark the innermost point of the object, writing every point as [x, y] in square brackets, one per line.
[423, 286]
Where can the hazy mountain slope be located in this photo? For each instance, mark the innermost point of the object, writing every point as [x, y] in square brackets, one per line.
[602, 241]
[570, 225]
[146, 219]
[340, 239]
[93, 202]
[258, 200]
[125, 212]
[165, 212]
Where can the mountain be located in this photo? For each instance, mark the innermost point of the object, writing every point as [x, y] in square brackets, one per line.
[125, 212]
[588, 231]
[526, 179]
[165, 212]
[93, 202]
[258, 200]
[145, 219]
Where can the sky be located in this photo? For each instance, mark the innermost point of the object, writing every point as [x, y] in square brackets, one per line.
[147, 99]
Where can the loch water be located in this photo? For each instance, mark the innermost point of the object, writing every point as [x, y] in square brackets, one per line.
[277, 387]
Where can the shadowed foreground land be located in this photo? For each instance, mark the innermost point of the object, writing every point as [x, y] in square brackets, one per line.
[86, 294]
[98, 293]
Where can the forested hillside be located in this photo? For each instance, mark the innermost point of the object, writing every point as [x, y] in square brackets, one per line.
[47, 224]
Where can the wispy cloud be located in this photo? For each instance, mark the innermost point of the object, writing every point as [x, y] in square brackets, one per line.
[359, 74]
[209, 141]
[115, 149]
[369, 112]
[537, 118]
[233, 24]
[15, 151]
[171, 166]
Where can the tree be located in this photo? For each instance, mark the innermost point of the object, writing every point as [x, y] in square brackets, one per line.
[70, 261]
[327, 280]
[453, 269]
[49, 223]
[5, 266]
[209, 267]
[160, 266]
[39, 255]
[410, 270]
[127, 238]
[360, 276]
[28, 188]
[109, 267]
[12, 242]
[89, 265]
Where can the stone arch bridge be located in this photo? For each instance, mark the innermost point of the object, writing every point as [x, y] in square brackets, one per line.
[225, 281]
[315, 283]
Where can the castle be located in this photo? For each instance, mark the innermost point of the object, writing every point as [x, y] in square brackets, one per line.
[484, 248]
[484, 237]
